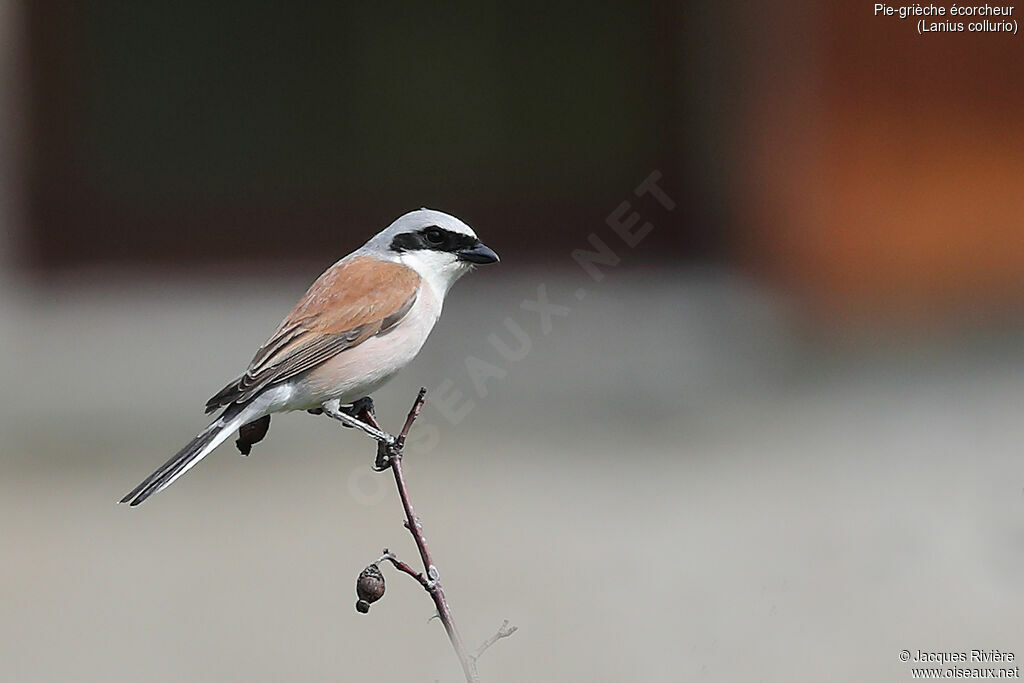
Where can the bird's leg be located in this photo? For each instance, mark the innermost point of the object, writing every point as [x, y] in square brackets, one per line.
[334, 410]
[363, 409]
[252, 433]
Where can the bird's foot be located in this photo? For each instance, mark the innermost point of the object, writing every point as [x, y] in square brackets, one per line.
[252, 433]
[362, 409]
[386, 451]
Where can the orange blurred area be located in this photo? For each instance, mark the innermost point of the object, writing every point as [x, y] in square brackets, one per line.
[936, 231]
[887, 181]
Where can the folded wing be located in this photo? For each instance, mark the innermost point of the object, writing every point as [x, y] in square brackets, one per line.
[354, 300]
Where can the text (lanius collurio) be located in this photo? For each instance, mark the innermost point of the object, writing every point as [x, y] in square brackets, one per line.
[955, 18]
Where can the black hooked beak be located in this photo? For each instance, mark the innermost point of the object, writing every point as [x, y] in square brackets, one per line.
[479, 254]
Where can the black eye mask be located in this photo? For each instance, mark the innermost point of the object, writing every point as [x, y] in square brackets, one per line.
[433, 238]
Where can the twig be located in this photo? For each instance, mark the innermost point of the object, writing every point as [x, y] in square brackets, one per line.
[504, 631]
[412, 523]
[389, 455]
[403, 567]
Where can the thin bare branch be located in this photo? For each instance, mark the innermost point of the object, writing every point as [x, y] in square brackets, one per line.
[414, 412]
[403, 567]
[389, 456]
[504, 631]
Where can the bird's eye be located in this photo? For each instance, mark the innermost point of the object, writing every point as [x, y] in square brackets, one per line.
[434, 236]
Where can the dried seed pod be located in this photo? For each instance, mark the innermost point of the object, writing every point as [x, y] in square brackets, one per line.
[369, 588]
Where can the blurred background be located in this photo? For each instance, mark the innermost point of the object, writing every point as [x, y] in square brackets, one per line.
[779, 440]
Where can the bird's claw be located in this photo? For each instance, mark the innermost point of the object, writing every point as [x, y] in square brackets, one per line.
[385, 452]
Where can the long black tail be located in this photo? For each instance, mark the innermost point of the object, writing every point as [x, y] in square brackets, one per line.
[196, 449]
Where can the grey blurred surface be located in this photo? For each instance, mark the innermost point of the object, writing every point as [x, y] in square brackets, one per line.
[672, 485]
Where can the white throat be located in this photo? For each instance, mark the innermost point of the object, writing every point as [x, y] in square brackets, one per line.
[438, 269]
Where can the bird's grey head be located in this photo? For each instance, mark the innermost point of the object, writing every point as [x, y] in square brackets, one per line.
[438, 246]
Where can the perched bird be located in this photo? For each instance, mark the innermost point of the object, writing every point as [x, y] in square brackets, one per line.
[361, 322]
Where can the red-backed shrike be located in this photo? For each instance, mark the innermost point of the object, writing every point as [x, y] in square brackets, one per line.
[361, 322]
